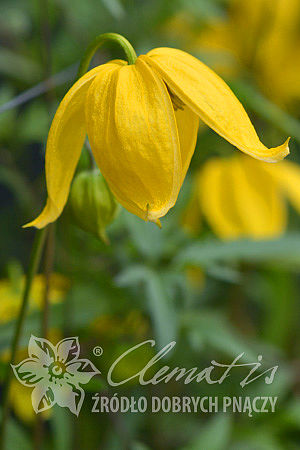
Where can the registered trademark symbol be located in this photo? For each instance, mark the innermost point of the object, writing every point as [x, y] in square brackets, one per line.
[98, 351]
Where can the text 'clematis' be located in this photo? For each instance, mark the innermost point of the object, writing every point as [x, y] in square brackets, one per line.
[142, 120]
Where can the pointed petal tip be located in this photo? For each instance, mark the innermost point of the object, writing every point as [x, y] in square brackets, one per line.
[28, 225]
[34, 223]
[287, 145]
[280, 152]
[158, 223]
[49, 214]
[103, 237]
[152, 219]
[271, 155]
[149, 217]
[209, 97]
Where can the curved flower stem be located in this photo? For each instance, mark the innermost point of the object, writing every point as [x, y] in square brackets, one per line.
[32, 269]
[101, 39]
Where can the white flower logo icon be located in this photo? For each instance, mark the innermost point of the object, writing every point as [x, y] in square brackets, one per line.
[55, 373]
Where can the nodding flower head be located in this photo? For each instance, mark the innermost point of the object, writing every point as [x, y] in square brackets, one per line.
[142, 120]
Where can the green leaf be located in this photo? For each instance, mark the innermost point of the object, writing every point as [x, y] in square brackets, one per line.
[16, 437]
[262, 439]
[291, 414]
[280, 386]
[214, 436]
[132, 275]
[224, 273]
[160, 306]
[15, 20]
[279, 295]
[7, 118]
[161, 310]
[146, 236]
[34, 123]
[139, 446]
[209, 328]
[14, 181]
[115, 7]
[62, 428]
[285, 250]
[18, 66]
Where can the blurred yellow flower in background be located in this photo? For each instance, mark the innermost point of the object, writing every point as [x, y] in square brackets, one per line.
[20, 400]
[10, 301]
[259, 36]
[19, 395]
[242, 197]
[11, 292]
[142, 121]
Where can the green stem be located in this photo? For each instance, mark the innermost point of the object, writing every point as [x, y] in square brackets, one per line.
[101, 39]
[48, 269]
[32, 269]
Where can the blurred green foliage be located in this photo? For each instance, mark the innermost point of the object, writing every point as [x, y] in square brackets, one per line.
[245, 297]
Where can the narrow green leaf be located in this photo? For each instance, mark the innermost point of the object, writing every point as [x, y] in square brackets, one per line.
[160, 306]
[284, 250]
[213, 436]
[62, 428]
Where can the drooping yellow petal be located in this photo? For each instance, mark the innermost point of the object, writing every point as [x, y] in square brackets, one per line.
[287, 175]
[209, 96]
[240, 199]
[215, 190]
[258, 201]
[64, 144]
[187, 127]
[132, 130]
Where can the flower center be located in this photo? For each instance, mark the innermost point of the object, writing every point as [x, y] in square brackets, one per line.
[57, 370]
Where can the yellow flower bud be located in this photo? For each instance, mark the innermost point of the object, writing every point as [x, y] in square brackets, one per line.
[93, 206]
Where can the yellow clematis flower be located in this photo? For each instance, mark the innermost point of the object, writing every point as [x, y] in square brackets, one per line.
[142, 120]
[242, 197]
[270, 49]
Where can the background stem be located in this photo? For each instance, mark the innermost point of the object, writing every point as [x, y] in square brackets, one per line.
[48, 269]
[32, 269]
